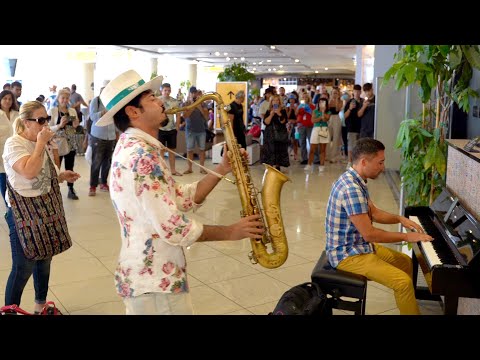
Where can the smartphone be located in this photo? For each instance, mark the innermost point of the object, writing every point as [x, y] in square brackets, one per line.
[275, 106]
[302, 101]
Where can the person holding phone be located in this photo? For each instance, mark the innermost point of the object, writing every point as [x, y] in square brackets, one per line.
[236, 117]
[304, 124]
[275, 137]
[64, 123]
[320, 134]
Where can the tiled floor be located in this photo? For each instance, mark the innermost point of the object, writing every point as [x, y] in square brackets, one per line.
[222, 279]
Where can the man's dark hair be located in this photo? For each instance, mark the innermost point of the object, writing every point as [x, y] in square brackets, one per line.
[366, 146]
[7, 85]
[121, 119]
[16, 84]
[357, 87]
[367, 86]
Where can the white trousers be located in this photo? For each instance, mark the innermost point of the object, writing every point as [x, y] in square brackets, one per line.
[159, 304]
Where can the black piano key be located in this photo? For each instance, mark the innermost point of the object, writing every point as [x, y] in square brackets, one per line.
[440, 243]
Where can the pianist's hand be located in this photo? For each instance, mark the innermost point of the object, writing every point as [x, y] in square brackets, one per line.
[416, 237]
[411, 225]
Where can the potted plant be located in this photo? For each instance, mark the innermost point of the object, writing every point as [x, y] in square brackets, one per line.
[236, 72]
[442, 74]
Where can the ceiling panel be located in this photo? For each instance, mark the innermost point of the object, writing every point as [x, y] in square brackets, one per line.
[261, 59]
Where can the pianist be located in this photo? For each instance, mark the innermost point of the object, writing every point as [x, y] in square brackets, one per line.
[353, 241]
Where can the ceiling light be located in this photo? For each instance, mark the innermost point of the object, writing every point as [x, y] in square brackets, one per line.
[242, 58]
[274, 69]
[316, 71]
[225, 53]
[254, 63]
[260, 63]
[269, 60]
[269, 69]
[326, 69]
[217, 53]
[227, 58]
[254, 69]
[234, 58]
[272, 47]
[281, 66]
[159, 49]
[296, 60]
[284, 79]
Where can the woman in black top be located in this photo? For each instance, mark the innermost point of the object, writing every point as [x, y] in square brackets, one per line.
[275, 152]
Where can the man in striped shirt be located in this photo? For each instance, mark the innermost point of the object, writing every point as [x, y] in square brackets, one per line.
[353, 241]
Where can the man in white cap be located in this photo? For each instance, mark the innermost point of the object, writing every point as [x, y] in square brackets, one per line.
[151, 272]
[102, 141]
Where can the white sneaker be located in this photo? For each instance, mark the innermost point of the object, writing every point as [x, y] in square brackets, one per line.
[321, 168]
[307, 167]
[348, 165]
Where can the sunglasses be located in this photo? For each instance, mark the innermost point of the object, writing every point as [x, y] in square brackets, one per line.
[41, 120]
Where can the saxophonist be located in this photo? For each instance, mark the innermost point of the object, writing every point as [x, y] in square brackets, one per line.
[151, 274]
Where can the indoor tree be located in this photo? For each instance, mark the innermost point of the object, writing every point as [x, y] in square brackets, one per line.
[442, 74]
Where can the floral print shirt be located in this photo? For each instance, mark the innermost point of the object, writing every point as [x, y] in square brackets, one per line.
[150, 207]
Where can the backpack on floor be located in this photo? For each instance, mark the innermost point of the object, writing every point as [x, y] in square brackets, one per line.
[303, 299]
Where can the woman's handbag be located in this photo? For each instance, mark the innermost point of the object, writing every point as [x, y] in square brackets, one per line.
[279, 135]
[62, 144]
[40, 220]
[323, 133]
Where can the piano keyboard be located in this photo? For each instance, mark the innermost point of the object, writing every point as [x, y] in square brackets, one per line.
[427, 246]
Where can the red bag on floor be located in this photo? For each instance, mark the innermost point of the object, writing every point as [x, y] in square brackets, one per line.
[255, 131]
[48, 309]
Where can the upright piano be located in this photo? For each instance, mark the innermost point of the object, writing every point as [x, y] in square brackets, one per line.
[451, 262]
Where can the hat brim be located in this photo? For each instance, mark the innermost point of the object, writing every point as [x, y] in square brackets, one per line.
[153, 84]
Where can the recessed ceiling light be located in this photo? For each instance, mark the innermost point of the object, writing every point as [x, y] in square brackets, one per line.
[234, 58]
[254, 63]
[269, 60]
[274, 69]
[217, 53]
[225, 53]
[284, 79]
[242, 58]
[269, 69]
[281, 66]
[316, 71]
[254, 69]
[272, 46]
[260, 63]
[326, 69]
[296, 60]
[227, 58]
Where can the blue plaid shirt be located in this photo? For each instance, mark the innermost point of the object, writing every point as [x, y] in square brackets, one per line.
[349, 197]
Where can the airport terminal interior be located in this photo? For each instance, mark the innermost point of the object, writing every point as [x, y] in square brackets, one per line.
[221, 277]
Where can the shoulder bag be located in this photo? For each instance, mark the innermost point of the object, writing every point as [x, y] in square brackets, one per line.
[40, 220]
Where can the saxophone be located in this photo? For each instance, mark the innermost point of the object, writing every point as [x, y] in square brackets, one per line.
[272, 250]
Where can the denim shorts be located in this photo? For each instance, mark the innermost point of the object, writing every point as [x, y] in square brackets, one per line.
[196, 138]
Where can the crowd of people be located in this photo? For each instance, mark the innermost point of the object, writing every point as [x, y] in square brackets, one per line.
[128, 134]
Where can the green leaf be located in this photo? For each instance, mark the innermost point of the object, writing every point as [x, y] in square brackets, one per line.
[409, 73]
[472, 54]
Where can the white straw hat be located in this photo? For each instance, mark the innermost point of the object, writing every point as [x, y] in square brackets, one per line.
[121, 90]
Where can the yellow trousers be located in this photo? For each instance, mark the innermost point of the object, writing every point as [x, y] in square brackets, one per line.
[390, 268]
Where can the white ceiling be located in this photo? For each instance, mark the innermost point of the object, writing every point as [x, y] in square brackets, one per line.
[339, 59]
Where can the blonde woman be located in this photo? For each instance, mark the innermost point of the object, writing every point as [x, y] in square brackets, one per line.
[8, 114]
[64, 122]
[335, 105]
[31, 173]
[275, 136]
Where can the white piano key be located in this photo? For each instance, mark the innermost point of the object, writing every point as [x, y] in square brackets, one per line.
[427, 246]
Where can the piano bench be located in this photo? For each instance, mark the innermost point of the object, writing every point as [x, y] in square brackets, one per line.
[338, 283]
